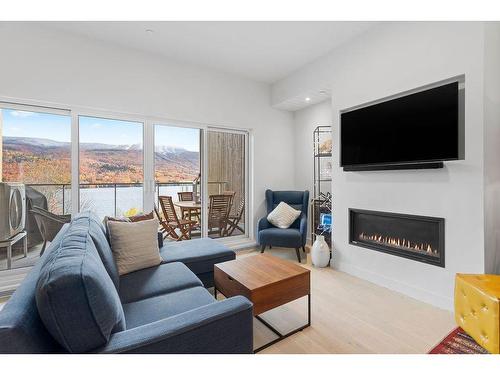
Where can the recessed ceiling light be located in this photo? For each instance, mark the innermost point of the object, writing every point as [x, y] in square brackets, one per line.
[322, 92]
[150, 31]
[307, 99]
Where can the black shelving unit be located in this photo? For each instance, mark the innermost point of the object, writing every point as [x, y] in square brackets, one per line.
[321, 202]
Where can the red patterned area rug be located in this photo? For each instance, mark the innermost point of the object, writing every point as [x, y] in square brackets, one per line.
[458, 342]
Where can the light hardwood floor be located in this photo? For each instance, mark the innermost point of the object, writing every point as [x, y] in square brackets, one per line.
[350, 315]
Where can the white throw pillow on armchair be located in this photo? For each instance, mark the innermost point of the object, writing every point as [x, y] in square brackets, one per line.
[283, 215]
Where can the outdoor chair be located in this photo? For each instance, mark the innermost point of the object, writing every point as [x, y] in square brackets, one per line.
[49, 224]
[171, 221]
[218, 213]
[188, 213]
[234, 220]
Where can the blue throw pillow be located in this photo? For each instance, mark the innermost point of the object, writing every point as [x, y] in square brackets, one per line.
[76, 299]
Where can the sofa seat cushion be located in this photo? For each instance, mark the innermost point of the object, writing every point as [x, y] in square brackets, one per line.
[151, 282]
[160, 307]
[198, 255]
[76, 299]
[280, 237]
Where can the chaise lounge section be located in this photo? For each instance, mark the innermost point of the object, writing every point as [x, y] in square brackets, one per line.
[73, 300]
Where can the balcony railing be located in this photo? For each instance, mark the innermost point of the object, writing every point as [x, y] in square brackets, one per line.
[58, 195]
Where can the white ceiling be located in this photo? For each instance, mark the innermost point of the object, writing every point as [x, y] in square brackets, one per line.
[262, 51]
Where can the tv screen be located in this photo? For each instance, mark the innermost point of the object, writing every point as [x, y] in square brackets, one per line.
[416, 128]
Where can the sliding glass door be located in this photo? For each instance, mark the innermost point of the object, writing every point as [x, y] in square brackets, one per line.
[111, 166]
[226, 153]
[200, 178]
[35, 150]
[177, 176]
[203, 170]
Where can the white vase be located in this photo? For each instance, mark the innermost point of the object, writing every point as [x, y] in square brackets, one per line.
[320, 252]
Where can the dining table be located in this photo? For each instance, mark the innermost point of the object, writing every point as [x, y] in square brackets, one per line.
[192, 207]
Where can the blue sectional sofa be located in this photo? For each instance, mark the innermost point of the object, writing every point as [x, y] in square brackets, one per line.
[73, 300]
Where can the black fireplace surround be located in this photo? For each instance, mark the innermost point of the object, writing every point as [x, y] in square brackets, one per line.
[420, 238]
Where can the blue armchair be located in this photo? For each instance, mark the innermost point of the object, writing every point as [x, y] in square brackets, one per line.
[296, 235]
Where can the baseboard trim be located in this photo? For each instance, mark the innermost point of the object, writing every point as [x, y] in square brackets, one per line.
[440, 301]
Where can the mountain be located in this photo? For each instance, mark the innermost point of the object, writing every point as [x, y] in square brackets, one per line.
[49, 143]
[34, 142]
[169, 149]
[99, 162]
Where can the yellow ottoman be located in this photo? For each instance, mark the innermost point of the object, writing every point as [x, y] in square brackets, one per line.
[477, 308]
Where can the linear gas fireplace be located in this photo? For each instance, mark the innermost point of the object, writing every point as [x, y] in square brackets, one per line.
[420, 238]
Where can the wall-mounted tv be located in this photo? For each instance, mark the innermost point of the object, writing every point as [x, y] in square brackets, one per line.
[419, 130]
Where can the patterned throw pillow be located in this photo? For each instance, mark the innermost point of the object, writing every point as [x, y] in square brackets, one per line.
[283, 216]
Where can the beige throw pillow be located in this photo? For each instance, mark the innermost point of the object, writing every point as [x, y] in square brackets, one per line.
[134, 245]
[283, 216]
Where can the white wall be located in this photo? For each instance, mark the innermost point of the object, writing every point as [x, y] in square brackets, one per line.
[40, 64]
[392, 58]
[305, 121]
[492, 147]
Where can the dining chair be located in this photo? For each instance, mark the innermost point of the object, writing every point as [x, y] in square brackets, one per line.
[172, 222]
[230, 193]
[187, 196]
[234, 220]
[161, 219]
[218, 213]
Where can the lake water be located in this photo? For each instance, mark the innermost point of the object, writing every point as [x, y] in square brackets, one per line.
[102, 200]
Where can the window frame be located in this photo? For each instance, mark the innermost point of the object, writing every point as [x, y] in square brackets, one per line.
[148, 122]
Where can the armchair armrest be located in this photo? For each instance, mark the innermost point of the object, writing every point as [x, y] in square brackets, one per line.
[303, 228]
[220, 327]
[263, 224]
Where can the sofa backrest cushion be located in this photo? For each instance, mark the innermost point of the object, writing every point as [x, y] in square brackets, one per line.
[21, 329]
[296, 199]
[99, 237]
[76, 299]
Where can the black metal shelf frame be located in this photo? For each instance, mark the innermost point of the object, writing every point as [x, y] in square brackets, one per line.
[319, 204]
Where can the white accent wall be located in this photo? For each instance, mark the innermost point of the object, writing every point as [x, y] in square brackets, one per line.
[393, 58]
[492, 147]
[305, 121]
[43, 65]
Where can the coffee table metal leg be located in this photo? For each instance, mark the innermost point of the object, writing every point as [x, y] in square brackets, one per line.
[278, 333]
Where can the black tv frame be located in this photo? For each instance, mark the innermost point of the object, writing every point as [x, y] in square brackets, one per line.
[414, 164]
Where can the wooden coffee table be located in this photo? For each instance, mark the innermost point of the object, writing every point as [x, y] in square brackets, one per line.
[268, 282]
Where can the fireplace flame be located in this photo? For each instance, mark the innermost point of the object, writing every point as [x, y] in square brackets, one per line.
[401, 243]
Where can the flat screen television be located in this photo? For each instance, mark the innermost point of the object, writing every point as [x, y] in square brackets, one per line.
[418, 130]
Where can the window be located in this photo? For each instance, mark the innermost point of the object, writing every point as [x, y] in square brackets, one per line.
[36, 150]
[111, 166]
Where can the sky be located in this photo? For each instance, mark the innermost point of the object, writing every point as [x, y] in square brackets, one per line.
[93, 130]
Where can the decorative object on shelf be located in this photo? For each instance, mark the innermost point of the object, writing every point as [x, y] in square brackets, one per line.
[320, 252]
[321, 204]
[325, 146]
[325, 172]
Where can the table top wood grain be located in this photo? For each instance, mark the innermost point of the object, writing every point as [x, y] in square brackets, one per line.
[261, 270]
[188, 205]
